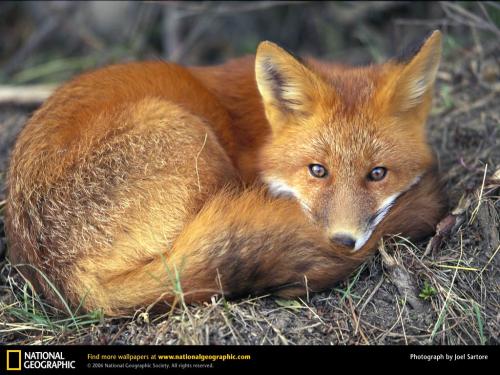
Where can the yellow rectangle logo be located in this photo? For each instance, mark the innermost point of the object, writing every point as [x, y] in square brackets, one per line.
[12, 360]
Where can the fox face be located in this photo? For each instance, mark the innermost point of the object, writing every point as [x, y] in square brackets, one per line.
[346, 142]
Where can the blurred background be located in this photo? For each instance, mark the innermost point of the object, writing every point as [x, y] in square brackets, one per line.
[50, 41]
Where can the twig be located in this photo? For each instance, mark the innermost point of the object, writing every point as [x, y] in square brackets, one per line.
[379, 284]
[189, 10]
[445, 304]
[230, 326]
[480, 198]
[389, 331]
[178, 51]
[283, 339]
[485, 12]
[469, 107]
[25, 95]
[49, 27]
[196, 161]
[465, 17]
[34, 41]
[312, 311]
[356, 13]
[356, 320]
[170, 24]
[120, 331]
[418, 22]
[402, 279]
[401, 318]
[493, 4]
[487, 263]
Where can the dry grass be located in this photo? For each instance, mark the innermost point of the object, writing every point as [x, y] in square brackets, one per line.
[442, 291]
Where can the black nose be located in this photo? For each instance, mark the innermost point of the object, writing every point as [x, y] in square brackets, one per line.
[344, 239]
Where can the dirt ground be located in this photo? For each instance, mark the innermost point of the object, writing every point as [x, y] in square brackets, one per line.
[404, 295]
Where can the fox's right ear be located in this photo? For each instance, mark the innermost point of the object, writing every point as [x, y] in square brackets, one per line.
[286, 85]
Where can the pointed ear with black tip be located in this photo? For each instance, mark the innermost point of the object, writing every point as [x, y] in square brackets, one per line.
[413, 87]
[287, 86]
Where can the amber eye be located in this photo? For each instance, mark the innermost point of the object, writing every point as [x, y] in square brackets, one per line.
[377, 174]
[317, 170]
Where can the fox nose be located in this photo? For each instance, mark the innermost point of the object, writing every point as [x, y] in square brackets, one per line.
[343, 239]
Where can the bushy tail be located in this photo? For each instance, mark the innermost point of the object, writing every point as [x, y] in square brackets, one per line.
[239, 244]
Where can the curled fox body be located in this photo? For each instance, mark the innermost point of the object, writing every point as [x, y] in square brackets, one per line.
[136, 182]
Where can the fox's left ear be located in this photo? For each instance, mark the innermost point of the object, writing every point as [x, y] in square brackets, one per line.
[416, 80]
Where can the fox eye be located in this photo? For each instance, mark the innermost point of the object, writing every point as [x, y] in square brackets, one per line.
[317, 170]
[377, 174]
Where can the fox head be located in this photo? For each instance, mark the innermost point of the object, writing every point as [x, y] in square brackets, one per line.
[346, 142]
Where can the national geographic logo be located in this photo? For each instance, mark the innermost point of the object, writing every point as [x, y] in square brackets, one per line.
[31, 360]
[13, 360]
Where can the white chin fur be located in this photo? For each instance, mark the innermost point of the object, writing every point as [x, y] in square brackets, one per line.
[362, 240]
[383, 210]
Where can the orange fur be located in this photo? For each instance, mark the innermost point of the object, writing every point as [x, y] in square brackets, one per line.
[135, 180]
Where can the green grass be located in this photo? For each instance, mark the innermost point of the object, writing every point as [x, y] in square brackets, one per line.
[56, 68]
[480, 325]
[29, 312]
[447, 102]
[427, 291]
[290, 304]
[350, 284]
[53, 69]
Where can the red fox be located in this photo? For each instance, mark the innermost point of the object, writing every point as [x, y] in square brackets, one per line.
[141, 183]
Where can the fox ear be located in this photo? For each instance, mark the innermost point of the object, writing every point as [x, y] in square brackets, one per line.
[286, 85]
[416, 80]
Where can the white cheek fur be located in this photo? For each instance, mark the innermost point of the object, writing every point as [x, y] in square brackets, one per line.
[278, 188]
